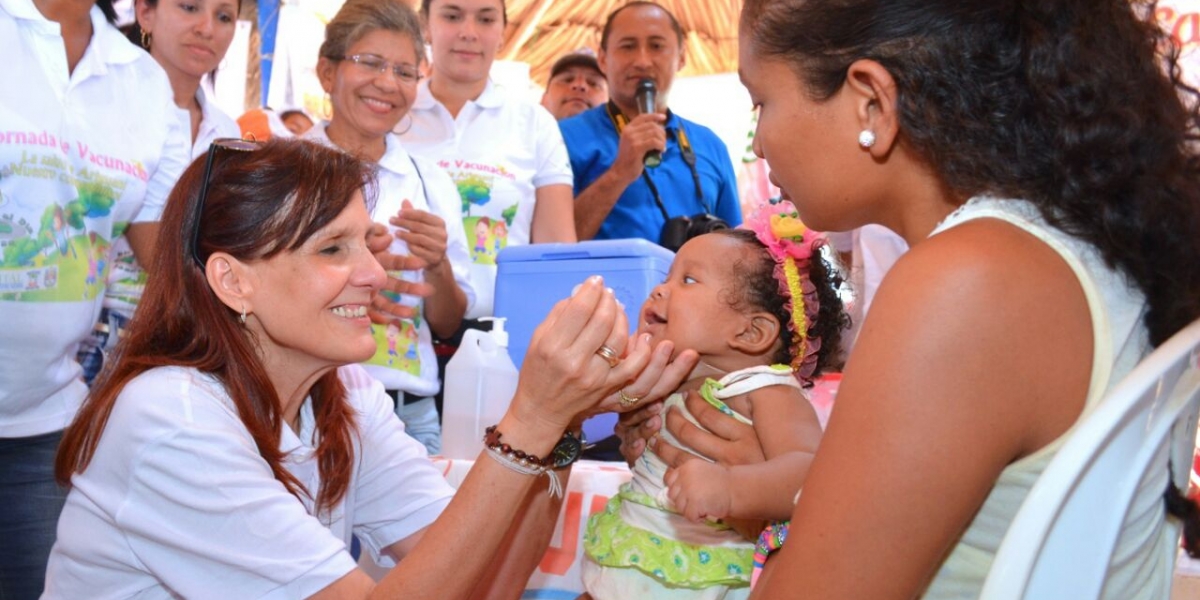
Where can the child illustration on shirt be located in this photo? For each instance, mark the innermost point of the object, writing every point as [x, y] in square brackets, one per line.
[483, 226]
[499, 235]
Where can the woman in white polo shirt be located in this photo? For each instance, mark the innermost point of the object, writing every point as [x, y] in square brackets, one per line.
[505, 154]
[188, 40]
[89, 149]
[369, 65]
[230, 452]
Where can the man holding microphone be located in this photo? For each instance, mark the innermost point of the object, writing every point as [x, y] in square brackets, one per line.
[640, 170]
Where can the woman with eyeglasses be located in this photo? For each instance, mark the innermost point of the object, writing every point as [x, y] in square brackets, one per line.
[506, 154]
[188, 40]
[89, 149]
[234, 446]
[369, 65]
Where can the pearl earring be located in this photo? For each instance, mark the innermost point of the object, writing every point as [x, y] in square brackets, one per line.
[243, 317]
[866, 138]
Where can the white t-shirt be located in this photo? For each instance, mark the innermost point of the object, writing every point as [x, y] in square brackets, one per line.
[127, 279]
[404, 359]
[498, 151]
[178, 502]
[82, 155]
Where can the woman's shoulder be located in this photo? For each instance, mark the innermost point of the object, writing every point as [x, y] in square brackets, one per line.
[971, 277]
[173, 381]
[166, 399]
[964, 227]
[989, 284]
[143, 80]
[126, 60]
[982, 240]
[969, 307]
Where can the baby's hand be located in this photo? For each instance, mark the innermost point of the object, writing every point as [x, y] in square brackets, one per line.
[699, 490]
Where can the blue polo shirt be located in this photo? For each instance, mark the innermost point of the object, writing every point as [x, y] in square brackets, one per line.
[592, 145]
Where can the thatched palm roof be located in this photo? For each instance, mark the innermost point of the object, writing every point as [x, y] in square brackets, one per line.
[540, 31]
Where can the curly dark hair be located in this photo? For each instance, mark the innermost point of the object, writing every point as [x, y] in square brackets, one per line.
[759, 290]
[1075, 105]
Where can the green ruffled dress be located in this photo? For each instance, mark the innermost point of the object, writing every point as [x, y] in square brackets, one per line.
[639, 530]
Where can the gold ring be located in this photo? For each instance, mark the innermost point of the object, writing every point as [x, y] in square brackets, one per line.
[609, 355]
[626, 399]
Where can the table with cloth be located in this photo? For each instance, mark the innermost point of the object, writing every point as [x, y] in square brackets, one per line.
[557, 576]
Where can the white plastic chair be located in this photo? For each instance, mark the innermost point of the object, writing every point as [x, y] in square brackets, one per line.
[1061, 541]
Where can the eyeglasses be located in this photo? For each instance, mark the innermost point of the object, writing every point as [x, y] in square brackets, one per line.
[234, 144]
[373, 64]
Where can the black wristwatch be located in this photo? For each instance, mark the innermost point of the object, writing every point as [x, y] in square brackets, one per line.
[566, 451]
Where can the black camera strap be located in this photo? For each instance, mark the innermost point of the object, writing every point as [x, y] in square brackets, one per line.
[654, 192]
[619, 121]
[689, 157]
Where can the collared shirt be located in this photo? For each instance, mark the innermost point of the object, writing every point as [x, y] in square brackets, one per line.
[214, 124]
[498, 151]
[592, 143]
[82, 155]
[126, 278]
[177, 501]
[404, 359]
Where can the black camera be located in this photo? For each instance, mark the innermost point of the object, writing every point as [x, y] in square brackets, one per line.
[678, 230]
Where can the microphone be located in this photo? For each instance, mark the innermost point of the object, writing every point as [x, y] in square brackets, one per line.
[646, 98]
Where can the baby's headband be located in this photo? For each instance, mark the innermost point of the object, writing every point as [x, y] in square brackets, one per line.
[791, 244]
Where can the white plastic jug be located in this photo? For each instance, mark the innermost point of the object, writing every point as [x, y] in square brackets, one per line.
[480, 382]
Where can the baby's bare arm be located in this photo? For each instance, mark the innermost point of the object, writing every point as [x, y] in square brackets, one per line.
[787, 429]
[766, 491]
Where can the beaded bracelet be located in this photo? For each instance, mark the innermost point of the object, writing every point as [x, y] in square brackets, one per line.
[491, 439]
[770, 540]
[520, 461]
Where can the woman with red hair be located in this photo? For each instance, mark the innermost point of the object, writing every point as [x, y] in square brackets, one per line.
[234, 446]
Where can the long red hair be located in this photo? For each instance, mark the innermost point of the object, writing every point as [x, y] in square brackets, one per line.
[259, 204]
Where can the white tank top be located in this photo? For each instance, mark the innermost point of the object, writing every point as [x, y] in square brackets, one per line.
[1120, 340]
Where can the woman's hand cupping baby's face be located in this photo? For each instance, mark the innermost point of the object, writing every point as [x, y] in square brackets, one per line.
[566, 374]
